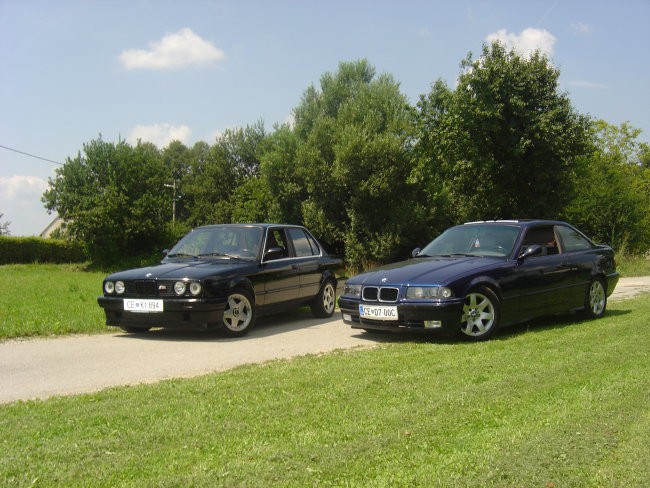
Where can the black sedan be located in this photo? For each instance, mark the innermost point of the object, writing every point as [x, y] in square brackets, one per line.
[223, 276]
[476, 277]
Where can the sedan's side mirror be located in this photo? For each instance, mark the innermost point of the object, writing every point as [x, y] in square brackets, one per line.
[165, 252]
[415, 252]
[532, 250]
[273, 253]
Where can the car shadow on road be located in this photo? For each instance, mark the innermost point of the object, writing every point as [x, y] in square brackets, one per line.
[265, 326]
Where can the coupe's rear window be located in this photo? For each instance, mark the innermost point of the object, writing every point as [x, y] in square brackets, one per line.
[476, 240]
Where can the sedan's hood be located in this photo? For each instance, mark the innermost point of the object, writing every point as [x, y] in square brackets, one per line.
[425, 271]
[190, 269]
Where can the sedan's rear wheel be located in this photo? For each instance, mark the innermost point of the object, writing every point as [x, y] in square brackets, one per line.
[481, 313]
[324, 303]
[596, 299]
[239, 315]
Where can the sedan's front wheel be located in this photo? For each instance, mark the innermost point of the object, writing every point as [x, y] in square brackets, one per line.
[481, 313]
[239, 315]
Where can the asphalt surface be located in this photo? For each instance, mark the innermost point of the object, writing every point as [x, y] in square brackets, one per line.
[42, 368]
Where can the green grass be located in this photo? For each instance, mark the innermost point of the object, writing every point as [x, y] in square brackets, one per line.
[561, 403]
[49, 299]
[630, 265]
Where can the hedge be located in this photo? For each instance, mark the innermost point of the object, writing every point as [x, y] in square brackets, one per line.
[22, 250]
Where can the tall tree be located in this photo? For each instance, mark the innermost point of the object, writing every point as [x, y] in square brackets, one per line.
[4, 226]
[505, 141]
[112, 197]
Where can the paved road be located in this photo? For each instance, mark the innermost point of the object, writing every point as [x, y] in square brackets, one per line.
[41, 368]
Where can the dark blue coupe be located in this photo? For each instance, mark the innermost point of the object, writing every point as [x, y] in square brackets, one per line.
[477, 277]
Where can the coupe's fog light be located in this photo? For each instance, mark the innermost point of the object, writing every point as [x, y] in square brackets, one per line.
[195, 288]
[432, 324]
[109, 287]
[347, 317]
[119, 287]
[179, 287]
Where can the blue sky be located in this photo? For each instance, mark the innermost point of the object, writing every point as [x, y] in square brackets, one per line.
[71, 70]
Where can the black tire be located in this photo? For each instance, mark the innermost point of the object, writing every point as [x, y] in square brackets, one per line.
[134, 330]
[239, 315]
[481, 315]
[595, 299]
[325, 302]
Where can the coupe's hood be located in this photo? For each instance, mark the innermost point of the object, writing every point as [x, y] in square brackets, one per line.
[184, 269]
[425, 271]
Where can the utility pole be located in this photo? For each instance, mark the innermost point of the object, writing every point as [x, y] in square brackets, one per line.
[173, 185]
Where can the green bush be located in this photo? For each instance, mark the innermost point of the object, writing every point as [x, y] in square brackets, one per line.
[24, 250]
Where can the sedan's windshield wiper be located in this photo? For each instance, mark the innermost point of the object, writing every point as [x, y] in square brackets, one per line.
[221, 254]
[181, 255]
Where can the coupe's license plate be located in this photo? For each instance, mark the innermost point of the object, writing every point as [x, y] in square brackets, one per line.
[143, 306]
[378, 312]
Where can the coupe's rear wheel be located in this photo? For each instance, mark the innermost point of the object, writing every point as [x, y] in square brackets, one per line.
[596, 299]
[480, 314]
[239, 315]
[324, 303]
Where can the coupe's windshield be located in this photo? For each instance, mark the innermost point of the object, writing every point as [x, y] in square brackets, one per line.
[219, 242]
[473, 240]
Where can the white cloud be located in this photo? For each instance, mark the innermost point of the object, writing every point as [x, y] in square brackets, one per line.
[160, 134]
[20, 202]
[580, 28]
[527, 41]
[173, 51]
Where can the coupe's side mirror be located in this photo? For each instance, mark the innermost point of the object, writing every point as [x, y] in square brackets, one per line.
[273, 253]
[532, 250]
[415, 252]
[165, 252]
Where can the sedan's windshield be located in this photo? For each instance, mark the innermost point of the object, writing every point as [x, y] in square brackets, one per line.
[473, 240]
[219, 242]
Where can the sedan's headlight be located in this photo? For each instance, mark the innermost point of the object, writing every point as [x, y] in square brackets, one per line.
[109, 287]
[428, 292]
[179, 288]
[352, 290]
[119, 287]
[195, 288]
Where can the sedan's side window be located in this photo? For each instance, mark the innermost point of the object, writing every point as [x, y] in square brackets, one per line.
[300, 242]
[277, 239]
[572, 240]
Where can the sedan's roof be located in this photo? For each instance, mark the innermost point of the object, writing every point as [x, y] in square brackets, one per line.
[262, 225]
[518, 222]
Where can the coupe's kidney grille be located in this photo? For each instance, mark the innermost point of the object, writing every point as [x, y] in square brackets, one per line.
[380, 294]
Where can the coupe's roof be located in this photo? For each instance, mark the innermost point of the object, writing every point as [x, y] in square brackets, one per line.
[518, 223]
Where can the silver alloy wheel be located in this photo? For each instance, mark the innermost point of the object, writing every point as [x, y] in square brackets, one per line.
[238, 313]
[329, 298]
[597, 298]
[479, 315]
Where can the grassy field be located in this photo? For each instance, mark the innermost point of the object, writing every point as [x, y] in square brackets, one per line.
[629, 265]
[560, 403]
[49, 299]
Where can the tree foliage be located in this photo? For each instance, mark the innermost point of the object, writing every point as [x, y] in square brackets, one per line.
[4, 226]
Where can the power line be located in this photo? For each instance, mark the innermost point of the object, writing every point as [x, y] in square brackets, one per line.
[30, 155]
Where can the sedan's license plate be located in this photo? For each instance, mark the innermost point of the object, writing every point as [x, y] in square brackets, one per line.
[378, 312]
[143, 305]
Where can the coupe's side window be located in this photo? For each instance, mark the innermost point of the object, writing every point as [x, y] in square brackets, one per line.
[572, 240]
[301, 243]
[542, 236]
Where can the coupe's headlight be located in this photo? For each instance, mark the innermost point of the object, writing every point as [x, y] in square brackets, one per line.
[352, 290]
[119, 287]
[179, 288]
[109, 287]
[428, 292]
[195, 288]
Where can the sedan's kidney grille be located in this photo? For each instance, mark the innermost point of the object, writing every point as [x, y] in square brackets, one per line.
[149, 288]
[380, 294]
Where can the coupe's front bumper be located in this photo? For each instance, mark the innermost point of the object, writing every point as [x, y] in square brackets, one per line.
[180, 313]
[444, 315]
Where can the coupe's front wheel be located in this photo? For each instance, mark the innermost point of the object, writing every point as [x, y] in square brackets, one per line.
[239, 315]
[596, 299]
[324, 303]
[481, 313]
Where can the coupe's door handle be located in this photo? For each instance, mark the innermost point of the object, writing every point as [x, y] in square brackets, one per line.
[295, 266]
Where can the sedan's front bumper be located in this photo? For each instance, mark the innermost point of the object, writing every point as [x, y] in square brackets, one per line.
[180, 313]
[442, 315]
